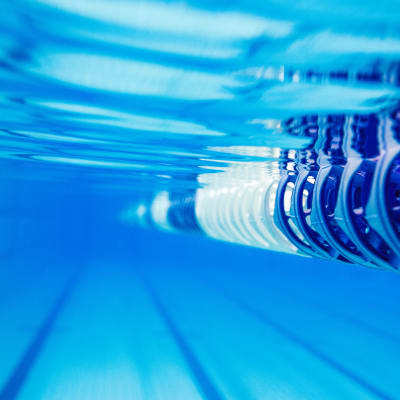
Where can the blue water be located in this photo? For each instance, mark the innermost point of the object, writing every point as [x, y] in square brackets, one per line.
[104, 103]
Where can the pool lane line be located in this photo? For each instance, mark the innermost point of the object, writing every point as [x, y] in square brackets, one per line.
[304, 344]
[19, 375]
[203, 381]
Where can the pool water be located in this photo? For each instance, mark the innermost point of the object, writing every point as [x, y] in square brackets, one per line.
[105, 105]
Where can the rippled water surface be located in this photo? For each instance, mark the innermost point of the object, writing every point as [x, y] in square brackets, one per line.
[160, 92]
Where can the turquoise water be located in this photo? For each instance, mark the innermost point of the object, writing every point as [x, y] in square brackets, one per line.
[103, 105]
[157, 91]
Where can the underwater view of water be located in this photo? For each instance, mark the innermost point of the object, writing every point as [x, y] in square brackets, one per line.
[265, 123]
